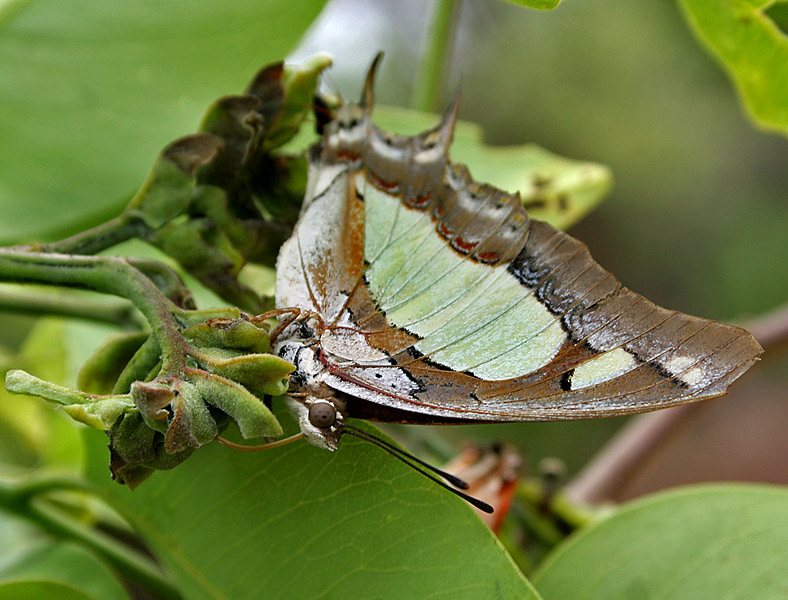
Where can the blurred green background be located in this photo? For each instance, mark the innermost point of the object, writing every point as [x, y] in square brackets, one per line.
[696, 221]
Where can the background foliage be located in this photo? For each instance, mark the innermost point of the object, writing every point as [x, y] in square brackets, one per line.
[696, 221]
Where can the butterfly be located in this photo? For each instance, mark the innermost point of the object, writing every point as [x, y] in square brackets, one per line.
[410, 293]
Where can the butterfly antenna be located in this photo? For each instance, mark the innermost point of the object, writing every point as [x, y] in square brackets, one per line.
[409, 460]
[452, 479]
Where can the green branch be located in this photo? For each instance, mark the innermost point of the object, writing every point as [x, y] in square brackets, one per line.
[35, 302]
[100, 237]
[434, 63]
[106, 274]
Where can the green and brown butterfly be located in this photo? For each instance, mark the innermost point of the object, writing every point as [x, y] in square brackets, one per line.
[410, 293]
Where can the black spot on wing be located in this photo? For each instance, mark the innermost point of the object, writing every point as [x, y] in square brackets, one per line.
[566, 380]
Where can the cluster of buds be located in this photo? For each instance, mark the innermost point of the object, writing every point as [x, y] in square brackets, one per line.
[214, 201]
[156, 422]
[227, 196]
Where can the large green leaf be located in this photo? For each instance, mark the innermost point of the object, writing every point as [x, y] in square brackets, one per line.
[752, 48]
[702, 542]
[299, 522]
[92, 90]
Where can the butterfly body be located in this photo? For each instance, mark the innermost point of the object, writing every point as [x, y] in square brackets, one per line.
[424, 296]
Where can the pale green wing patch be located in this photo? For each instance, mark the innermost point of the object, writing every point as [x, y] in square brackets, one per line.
[606, 366]
[462, 336]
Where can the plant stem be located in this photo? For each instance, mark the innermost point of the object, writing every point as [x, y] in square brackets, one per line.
[610, 470]
[19, 492]
[106, 274]
[770, 329]
[98, 238]
[532, 494]
[34, 302]
[129, 563]
[433, 65]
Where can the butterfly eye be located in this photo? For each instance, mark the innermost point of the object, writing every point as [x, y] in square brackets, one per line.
[322, 415]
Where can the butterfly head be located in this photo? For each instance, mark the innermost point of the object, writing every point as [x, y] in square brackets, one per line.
[320, 419]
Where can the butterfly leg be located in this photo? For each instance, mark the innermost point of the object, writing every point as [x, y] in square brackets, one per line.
[292, 315]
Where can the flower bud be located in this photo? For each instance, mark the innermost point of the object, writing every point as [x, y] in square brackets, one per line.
[254, 419]
[260, 373]
[99, 412]
[229, 333]
[192, 425]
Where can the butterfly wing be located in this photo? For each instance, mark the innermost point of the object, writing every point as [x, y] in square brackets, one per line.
[443, 301]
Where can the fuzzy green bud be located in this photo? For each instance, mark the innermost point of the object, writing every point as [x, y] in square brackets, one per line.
[97, 411]
[254, 419]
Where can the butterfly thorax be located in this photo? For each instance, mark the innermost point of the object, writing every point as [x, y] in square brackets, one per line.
[308, 392]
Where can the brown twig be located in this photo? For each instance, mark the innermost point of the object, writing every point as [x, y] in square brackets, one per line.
[770, 329]
[615, 465]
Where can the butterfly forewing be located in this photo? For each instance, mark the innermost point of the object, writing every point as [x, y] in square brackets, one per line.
[443, 301]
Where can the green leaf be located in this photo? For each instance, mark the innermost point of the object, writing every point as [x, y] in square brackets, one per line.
[41, 590]
[749, 44]
[254, 419]
[167, 190]
[29, 554]
[558, 190]
[261, 374]
[92, 90]
[229, 333]
[300, 522]
[701, 542]
[299, 84]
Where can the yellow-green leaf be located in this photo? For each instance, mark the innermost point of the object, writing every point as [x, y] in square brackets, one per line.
[750, 46]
